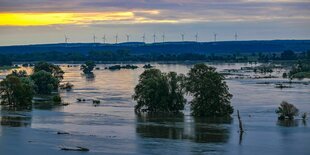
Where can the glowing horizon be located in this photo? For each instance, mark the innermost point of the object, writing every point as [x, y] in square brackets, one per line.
[44, 19]
[47, 21]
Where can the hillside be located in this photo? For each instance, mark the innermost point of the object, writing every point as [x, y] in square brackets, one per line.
[168, 47]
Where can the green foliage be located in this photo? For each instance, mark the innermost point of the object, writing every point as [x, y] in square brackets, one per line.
[57, 99]
[159, 92]
[88, 67]
[5, 60]
[55, 70]
[16, 91]
[300, 70]
[21, 73]
[210, 92]
[45, 82]
[118, 67]
[287, 110]
[148, 66]
[288, 55]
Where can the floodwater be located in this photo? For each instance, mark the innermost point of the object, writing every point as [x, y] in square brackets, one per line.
[114, 128]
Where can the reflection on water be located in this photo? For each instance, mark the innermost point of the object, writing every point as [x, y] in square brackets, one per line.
[15, 121]
[212, 130]
[15, 116]
[89, 77]
[289, 123]
[183, 127]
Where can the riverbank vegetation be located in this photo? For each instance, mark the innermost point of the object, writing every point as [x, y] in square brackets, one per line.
[127, 55]
[19, 89]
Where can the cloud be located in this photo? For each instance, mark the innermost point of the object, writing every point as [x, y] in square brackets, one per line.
[84, 12]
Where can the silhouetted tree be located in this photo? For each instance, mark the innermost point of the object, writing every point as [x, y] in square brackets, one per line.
[287, 110]
[288, 55]
[159, 92]
[16, 91]
[5, 60]
[88, 67]
[45, 82]
[55, 70]
[210, 92]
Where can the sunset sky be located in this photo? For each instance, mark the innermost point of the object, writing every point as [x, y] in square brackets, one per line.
[47, 21]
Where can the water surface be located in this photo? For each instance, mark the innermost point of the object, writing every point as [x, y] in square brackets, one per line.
[114, 128]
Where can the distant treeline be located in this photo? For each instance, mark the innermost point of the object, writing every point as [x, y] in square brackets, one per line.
[125, 55]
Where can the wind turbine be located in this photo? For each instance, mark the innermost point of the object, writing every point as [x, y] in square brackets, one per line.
[66, 40]
[127, 36]
[183, 35]
[196, 37]
[94, 38]
[154, 36]
[215, 35]
[236, 36]
[116, 38]
[104, 39]
[143, 37]
[163, 36]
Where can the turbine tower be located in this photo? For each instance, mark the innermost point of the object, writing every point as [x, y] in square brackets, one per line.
[215, 35]
[196, 37]
[66, 40]
[116, 39]
[183, 35]
[94, 39]
[127, 36]
[236, 36]
[154, 37]
[104, 39]
[143, 37]
[164, 37]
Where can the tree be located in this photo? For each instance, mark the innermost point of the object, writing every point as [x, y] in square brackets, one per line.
[20, 74]
[88, 67]
[288, 55]
[210, 92]
[45, 82]
[5, 60]
[159, 92]
[55, 70]
[16, 91]
[286, 110]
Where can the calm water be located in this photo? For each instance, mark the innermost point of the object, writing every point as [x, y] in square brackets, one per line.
[113, 128]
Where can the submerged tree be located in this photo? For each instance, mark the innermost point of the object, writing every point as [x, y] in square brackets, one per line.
[20, 74]
[45, 82]
[159, 92]
[286, 110]
[88, 67]
[55, 70]
[16, 91]
[210, 92]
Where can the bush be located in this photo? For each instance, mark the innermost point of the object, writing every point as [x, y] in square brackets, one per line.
[88, 67]
[57, 99]
[286, 111]
[159, 92]
[45, 82]
[16, 91]
[210, 92]
[55, 70]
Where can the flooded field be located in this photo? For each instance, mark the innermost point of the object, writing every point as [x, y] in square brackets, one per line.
[113, 128]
